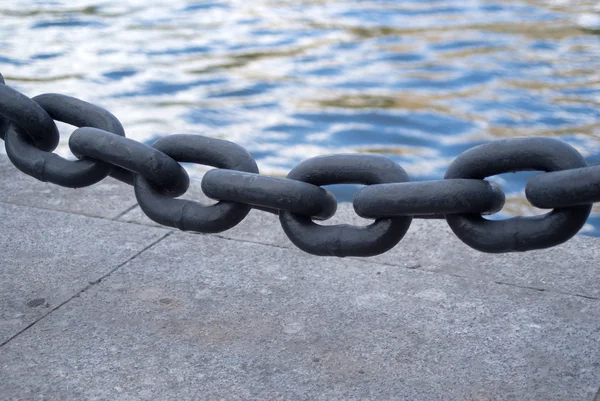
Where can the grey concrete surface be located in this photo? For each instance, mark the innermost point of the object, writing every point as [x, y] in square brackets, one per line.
[261, 322]
[49, 257]
[94, 308]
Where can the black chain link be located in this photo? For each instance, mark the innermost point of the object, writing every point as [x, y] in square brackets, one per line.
[30, 117]
[164, 172]
[270, 193]
[517, 233]
[48, 166]
[564, 188]
[188, 215]
[567, 185]
[344, 240]
[429, 198]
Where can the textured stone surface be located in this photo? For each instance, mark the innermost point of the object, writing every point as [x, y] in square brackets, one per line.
[199, 317]
[108, 198]
[97, 309]
[48, 257]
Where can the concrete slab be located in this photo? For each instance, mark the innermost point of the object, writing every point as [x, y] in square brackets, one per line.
[107, 199]
[48, 257]
[201, 317]
[571, 268]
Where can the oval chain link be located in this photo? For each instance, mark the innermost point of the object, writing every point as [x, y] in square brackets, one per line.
[48, 166]
[345, 240]
[165, 173]
[185, 214]
[517, 233]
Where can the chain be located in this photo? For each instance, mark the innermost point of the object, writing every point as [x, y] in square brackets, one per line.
[567, 185]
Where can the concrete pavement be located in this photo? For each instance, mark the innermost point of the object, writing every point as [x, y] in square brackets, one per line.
[97, 302]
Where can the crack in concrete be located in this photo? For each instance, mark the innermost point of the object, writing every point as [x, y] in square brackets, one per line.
[71, 212]
[123, 213]
[87, 287]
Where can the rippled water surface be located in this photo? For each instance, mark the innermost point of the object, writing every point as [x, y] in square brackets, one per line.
[416, 81]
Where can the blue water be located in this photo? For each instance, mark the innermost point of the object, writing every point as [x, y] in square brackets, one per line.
[416, 81]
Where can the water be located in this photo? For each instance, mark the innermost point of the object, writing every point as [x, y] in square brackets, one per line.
[416, 81]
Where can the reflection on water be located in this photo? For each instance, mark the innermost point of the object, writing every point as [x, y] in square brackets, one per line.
[418, 82]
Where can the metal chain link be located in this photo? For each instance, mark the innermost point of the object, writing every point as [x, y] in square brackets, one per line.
[567, 185]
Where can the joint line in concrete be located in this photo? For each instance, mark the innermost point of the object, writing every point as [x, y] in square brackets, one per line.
[90, 285]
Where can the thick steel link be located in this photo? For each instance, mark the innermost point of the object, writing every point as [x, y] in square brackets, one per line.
[47, 166]
[165, 173]
[517, 233]
[189, 215]
[269, 192]
[429, 198]
[345, 240]
[580, 186]
[30, 116]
